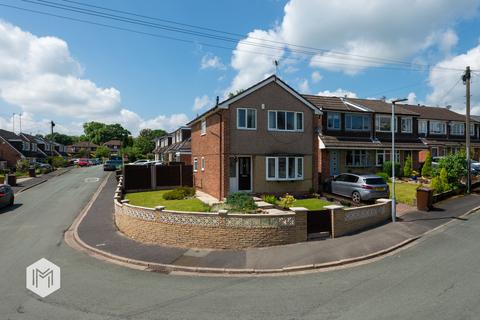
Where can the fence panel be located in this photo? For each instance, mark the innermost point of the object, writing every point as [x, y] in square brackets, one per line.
[319, 221]
[137, 177]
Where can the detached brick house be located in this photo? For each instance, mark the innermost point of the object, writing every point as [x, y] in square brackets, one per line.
[82, 145]
[114, 145]
[263, 140]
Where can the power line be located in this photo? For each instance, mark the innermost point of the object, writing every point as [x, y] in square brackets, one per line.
[222, 38]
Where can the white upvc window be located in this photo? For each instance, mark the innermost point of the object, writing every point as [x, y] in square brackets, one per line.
[407, 124]
[285, 121]
[202, 164]
[472, 129]
[422, 126]
[246, 119]
[34, 147]
[284, 168]
[438, 127]
[384, 155]
[434, 152]
[25, 146]
[203, 127]
[356, 158]
[383, 123]
[357, 122]
[457, 128]
[333, 121]
[195, 164]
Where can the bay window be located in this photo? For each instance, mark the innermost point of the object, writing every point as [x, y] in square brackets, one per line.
[357, 122]
[284, 168]
[285, 121]
[333, 120]
[383, 123]
[246, 119]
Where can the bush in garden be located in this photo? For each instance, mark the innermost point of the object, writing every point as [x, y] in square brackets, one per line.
[387, 168]
[241, 201]
[187, 191]
[455, 166]
[407, 168]
[287, 201]
[269, 198]
[58, 162]
[427, 166]
[179, 193]
[384, 176]
[440, 182]
[23, 165]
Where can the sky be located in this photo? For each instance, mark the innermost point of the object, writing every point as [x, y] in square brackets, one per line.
[161, 67]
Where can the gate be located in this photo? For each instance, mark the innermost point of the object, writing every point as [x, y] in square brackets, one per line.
[319, 224]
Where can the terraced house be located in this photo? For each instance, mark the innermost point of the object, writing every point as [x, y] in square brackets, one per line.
[263, 140]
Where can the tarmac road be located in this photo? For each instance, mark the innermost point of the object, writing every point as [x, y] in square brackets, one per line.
[439, 278]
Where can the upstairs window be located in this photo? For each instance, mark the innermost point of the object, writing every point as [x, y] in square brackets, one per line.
[246, 119]
[407, 125]
[457, 128]
[472, 129]
[438, 127]
[422, 126]
[34, 147]
[383, 123]
[25, 146]
[357, 122]
[195, 164]
[203, 127]
[333, 121]
[285, 121]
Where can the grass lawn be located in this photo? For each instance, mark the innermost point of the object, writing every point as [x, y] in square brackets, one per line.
[152, 199]
[311, 203]
[405, 192]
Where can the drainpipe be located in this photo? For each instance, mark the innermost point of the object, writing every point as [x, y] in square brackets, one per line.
[220, 150]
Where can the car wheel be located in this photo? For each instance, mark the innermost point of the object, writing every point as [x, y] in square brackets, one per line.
[356, 197]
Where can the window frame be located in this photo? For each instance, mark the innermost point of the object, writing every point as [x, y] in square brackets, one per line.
[377, 123]
[339, 121]
[203, 127]
[246, 118]
[420, 122]
[433, 122]
[296, 162]
[25, 146]
[363, 116]
[456, 124]
[296, 114]
[360, 165]
[195, 164]
[411, 124]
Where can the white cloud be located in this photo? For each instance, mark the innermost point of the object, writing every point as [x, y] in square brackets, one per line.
[448, 40]
[412, 98]
[304, 87]
[316, 76]
[338, 93]
[445, 84]
[211, 62]
[39, 75]
[201, 102]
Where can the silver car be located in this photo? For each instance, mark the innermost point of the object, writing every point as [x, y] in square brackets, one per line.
[6, 195]
[360, 187]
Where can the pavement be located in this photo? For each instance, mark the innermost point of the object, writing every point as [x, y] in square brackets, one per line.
[437, 278]
[28, 182]
[98, 232]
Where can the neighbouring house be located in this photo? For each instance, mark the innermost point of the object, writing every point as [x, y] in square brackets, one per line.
[355, 135]
[262, 140]
[34, 152]
[82, 145]
[443, 131]
[114, 145]
[176, 146]
[11, 146]
[161, 145]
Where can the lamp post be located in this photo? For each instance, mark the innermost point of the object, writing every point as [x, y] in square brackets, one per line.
[392, 159]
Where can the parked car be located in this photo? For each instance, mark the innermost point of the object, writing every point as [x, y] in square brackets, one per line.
[475, 167]
[140, 162]
[7, 197]
[94, 162]
[360, 187]
[83, 163]
[436, 161]
[41, 165]
[110, 165]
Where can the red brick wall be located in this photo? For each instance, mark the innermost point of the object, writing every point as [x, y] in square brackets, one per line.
[186, 158]
[8, 153]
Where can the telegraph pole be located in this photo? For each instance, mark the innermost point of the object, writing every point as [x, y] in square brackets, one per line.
[466, 80]
[13, 122]
[52, 124]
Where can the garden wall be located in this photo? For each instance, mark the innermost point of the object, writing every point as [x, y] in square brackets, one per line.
[217, 230]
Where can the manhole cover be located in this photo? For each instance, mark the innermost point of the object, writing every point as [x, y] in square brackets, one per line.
[91, 179]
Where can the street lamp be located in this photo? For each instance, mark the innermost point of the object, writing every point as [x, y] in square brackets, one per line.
[392, 159]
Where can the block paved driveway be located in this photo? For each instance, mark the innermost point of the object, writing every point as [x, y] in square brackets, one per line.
[436, 279]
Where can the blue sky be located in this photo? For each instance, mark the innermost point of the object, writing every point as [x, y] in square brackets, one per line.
[157, 78]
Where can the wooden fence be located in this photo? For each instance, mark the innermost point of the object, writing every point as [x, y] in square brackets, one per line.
[142, 177]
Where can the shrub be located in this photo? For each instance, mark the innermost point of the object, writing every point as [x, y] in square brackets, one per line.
[179, 193]
[241, 201]
[387, 168]
[384, 176]
[58, 162]
[455, 166]
[440, 182]
[270, 198]
[287, 201]
[407, 168]
[23, 165]
[427, 166]
[437, 185]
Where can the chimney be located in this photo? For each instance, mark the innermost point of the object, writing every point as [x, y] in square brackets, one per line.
[218, 99]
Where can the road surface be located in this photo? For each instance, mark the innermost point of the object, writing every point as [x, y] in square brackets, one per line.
[439, 278]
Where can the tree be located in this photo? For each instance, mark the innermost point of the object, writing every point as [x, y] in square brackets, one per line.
[233, 94]
[132, 152]
[407, 168]
[145, 142]
[102, 152]
[99, 133]
[427, 166]
[455, 166]
[60, 138]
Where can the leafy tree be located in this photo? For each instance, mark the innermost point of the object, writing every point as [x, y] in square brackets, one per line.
[233, 94]
[102, 152]
[99, 133]
[145, 141]
[407, 168]
[133, 153]
[60, 138]
[83, 153]
[427, 166]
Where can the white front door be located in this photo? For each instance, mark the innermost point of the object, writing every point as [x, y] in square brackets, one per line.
[233, 175]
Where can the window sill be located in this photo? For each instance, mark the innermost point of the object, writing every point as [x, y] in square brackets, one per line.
[287, 131]
[247, 129]
[285, 180]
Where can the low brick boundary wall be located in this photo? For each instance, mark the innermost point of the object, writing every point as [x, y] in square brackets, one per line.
[216, 230]
[350, 220]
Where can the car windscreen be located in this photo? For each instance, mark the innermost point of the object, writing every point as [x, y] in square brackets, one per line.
[374, 181]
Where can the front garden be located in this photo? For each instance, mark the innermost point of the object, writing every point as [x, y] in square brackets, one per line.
[151, 199]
